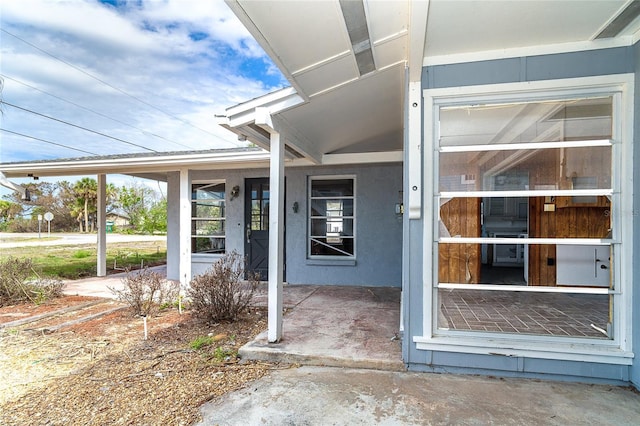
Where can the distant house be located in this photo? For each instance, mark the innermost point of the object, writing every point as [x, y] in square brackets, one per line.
[481, 155]
[119, 220]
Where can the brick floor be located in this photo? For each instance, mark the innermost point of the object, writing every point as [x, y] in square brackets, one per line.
[554, 314]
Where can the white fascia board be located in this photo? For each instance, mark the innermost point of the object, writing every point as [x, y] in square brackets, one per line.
[244, 113]
[132, 165]
[417, 34]
[518, 52]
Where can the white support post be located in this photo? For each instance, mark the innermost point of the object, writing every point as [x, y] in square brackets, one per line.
[101, 266]
[276, 238]
[185, 228]
[173, 226]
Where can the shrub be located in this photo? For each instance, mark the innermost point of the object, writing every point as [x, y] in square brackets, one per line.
[145, 291]
[221, 293]
[81, 254]
[15, 286]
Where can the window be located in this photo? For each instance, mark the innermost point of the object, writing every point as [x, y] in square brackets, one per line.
[530, 249]
[331, 217]
[535, 216]
[208, 218]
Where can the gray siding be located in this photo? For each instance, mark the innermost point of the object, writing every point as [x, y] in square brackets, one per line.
[378, 229]
[567, 65]
[532, 68]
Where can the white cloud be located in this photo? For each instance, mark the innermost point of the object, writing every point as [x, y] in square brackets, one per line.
[182, 60]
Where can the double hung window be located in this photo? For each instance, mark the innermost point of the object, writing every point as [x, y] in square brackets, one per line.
[208, 218]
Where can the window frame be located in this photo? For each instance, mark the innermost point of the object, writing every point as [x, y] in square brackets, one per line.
[223, 218]
[618, 349]
[310, 217]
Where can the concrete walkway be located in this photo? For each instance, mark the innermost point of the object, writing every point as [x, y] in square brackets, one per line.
[101, 286]
[339, 396]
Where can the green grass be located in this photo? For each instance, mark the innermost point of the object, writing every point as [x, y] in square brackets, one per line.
[81, 254]
[200, 342]
[79, 261]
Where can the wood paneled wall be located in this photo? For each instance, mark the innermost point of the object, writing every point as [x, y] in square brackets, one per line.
[565, 222]
[460, 263]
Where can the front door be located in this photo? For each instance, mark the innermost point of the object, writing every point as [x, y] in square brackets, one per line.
[256, 242]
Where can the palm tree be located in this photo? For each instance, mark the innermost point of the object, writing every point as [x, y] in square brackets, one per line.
[86, 190]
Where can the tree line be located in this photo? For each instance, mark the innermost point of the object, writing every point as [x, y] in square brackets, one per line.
[74, 207]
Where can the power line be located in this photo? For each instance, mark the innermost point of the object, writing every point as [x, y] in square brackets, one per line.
[94, 112]
[112, 86]
[46, 141]
[77, 126]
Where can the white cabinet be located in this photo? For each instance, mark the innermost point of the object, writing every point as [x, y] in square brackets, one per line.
[583, 265]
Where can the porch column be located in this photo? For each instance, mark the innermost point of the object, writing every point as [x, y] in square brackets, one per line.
[276, 237]
[173, 226]
[185, 228]
[101, 266]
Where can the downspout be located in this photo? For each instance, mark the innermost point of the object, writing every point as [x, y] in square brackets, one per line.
[24, 192]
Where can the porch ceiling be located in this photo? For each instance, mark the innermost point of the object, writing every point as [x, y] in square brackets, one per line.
[341, 106]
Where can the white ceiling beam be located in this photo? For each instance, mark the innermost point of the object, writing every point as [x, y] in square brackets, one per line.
[291, 136]
[13, 186]
[362, 158]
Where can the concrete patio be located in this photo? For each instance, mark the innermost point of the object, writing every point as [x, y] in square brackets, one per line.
[355, 327]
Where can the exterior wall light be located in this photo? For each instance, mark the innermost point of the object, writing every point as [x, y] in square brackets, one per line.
[235, 191]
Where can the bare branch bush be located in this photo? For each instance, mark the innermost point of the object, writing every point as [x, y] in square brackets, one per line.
[222, 293]
[146, 291]
[16, 287]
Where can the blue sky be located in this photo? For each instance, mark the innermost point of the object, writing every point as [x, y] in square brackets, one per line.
[149, 74]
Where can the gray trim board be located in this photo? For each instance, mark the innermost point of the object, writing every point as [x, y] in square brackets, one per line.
[619, 60]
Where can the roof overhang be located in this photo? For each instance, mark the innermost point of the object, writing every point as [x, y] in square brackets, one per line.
[350, 62]
[347, 67]
[149, 166]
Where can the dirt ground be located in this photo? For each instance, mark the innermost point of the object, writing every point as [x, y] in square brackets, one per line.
[59, 371]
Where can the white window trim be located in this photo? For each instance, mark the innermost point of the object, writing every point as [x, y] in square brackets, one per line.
[201, 256]
[615, 351]
[313, 259]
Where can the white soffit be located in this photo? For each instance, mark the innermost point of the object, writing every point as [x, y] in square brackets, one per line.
[365, 112]
[346, 109]
[310, 42]
[456, 28]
